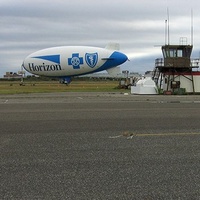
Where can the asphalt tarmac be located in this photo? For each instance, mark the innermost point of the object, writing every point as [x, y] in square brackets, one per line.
[99, 146]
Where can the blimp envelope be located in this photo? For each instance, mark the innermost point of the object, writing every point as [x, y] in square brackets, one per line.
[67, 61]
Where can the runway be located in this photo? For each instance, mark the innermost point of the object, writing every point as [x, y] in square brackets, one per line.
[99, 146]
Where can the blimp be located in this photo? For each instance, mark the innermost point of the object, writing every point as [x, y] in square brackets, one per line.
[66, 62]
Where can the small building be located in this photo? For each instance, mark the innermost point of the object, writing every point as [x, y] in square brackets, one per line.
[10, 75]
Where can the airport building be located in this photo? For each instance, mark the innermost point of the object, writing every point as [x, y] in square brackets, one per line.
[11, 75]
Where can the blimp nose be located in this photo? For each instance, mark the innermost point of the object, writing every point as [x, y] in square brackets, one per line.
[119, 58]
[122, 58]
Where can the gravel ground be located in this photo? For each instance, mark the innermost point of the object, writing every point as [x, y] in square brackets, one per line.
[99, 146]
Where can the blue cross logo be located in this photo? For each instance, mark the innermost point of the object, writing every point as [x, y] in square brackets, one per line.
[75, 61]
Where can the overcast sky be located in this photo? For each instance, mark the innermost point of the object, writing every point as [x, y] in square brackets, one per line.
[137, 25]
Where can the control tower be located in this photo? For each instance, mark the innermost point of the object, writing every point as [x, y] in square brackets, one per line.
[176, 63]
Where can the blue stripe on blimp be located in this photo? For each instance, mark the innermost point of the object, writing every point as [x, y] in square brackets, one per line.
[52, 58]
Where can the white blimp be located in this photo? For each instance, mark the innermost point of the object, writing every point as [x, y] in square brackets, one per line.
[68, 61]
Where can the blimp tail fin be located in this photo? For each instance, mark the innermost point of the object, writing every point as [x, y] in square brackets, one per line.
[113, 71]
[112, 46]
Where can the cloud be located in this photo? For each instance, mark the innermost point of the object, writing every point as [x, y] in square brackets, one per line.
[139, 27]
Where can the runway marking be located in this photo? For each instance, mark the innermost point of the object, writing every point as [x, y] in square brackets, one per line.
[130, 135]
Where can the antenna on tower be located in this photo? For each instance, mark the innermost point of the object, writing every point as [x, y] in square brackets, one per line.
[166, 32]
[191, 27]
[168, 25]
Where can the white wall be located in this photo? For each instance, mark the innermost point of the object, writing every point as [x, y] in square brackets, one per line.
[185, 82]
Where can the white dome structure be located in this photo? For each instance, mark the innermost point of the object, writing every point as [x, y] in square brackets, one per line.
[144, 86]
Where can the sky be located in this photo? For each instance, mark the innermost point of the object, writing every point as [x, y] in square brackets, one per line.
[139, 26]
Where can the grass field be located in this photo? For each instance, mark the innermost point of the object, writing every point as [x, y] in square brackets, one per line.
[14, 87]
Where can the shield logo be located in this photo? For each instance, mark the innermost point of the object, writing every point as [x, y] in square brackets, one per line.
[91, 59]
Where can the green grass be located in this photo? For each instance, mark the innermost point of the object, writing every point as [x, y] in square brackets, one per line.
[13, 87]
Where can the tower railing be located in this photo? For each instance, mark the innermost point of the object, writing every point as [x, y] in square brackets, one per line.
[194, 63]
